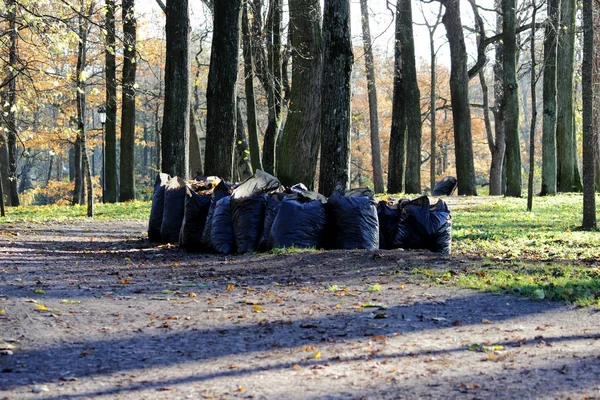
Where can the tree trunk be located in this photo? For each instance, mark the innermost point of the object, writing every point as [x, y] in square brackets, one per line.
[589, 192]
[11, 99]
[412, 178]
[533, 111]
[459, 94]
[221, 91]
[372, 91]
[110, 127]
[300, 144]
[397, 152]
[127, 162]
[510, 104]
[338, 59]
[567, 169]
[255, 160]
[4, 167]
[176, 112]
[498, 145]
[77, 172]
[596, 80]
[242, 166]
[549, 100]
[196, 165]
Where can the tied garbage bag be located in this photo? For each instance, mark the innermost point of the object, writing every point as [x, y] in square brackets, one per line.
[352, 221]
[388, 216]
[248, 207]
[273, 202]
[157, 210]
[174, 208]
[425, 226]
[223, 189]
[223, 240]
[445, 187]
[300, 221]
[194, 219]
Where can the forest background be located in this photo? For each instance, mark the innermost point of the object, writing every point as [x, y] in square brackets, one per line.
[55, 62]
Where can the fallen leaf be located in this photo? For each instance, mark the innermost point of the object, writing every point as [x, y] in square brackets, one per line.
[297, 367]
[230, 286]
[2, 311]
[41, 307]
[374, 288]
[315, 355]
[241, 388]
[191, 294]
[39, 291]
[257, 308]
[486, 321]
[125, 281]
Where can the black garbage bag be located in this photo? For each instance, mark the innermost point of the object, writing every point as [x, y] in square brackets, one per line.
[423, 226]
[445, 187]
[352, 222]
[194, 219]
[273, 202]
[260, 182]
[300, 222]
[157, 210]
[223, 189]
[174, 209]
[223, 240]
[248, 215]
[388, 216]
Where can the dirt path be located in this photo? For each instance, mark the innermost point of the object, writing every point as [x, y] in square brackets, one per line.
[95, 311]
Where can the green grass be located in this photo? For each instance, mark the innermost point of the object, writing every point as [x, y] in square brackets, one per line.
[502, 229]
[579, 285]
[134, 210]
[279, 251]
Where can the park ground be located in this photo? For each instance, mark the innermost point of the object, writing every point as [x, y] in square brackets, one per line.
[91, 309]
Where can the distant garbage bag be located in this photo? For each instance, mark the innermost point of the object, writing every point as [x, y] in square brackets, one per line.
[425, 226]
[157, 210]
[388, 216]
[174, 209]
[223, 240]
[194, 219]
[260, 182]
[300, 221]
[352, 221]
[445, 187]
[223, 189]
[248, 215]
[273, 202]
[248, 207]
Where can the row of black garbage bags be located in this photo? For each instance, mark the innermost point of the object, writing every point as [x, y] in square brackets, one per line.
[260, 214]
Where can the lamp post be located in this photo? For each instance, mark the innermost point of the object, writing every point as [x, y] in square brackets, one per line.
[102, 114]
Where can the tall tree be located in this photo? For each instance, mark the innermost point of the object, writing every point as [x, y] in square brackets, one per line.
[459, 94]
[221, 91]
[338, 59]
[176, 112]
[127, 162]
[549, 101]
[10, 104]
[372, 92]
[510, 102]
[568, 178]
[110, 128]
[532, 128]
[589, 192]
[301, 142]
[596, 80]
[255, 159]
[498, 144]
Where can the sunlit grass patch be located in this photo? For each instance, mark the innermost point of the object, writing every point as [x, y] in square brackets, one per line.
[278, 251]
[131, 210]
[579, 285]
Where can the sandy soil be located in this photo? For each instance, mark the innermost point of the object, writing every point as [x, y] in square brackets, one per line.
[96, 311]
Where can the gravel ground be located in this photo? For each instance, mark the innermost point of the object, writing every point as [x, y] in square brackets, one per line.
[96, 311]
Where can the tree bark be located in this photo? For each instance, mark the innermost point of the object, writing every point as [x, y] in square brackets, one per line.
[549, 100]
[498, 146]
[221, 91]
[242, 167]
[110, 127]
[459, 93]
[338, 59]
[255, 160]
[568, 179]
[510, 102]
[10, 109]
[176, 112]
[300, 144]
[4, 167]
[596, 80]
[196, 164]
[372, 93]
[532, 127]
[412, 179]
[589, 192]
[127, 162]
